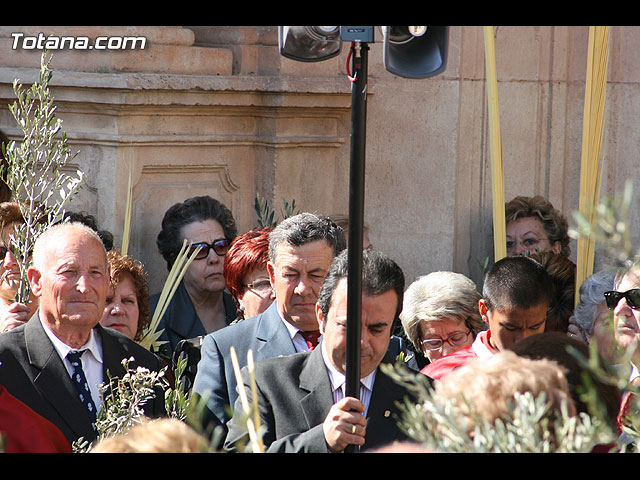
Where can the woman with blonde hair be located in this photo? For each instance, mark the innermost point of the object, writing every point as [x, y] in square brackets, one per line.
[532, 224]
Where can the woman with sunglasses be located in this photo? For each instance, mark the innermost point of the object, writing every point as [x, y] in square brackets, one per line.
[200, 305]
[12, 313]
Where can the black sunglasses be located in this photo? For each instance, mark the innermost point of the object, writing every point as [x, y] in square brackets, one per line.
[221, 247]
[632, 296]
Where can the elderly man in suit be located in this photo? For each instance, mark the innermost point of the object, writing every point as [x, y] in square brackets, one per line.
[70, 277]
[301, 398]
[300, 252]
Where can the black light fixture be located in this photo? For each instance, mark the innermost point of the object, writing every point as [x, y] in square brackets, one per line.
[415, 52]
[309, 44]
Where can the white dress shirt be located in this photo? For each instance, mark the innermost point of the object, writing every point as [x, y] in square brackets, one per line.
[91, 361]
[338, 382]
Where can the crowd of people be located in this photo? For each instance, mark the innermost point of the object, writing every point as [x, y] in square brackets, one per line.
[272, 304]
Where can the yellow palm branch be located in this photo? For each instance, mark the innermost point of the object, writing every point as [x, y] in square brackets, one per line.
[127, 219]
[495, 147]
[592, 144]
[151, 334]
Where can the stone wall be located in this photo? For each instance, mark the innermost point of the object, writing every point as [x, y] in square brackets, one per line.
[216, 110]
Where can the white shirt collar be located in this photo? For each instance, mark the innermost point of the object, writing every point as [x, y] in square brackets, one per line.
[290, 328]
[338, 378]
[299, 343]
[63, 349]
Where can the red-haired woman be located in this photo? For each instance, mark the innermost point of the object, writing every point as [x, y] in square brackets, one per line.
[245, 272]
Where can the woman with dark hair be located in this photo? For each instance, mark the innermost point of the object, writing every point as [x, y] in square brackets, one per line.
[200, 305]
[247, 280]
[245, 272]
[570, 353]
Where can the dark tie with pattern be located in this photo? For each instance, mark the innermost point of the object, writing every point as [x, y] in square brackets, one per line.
[311, 337]
[80, 381]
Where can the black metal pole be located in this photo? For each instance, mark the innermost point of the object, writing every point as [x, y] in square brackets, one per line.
[356, 216]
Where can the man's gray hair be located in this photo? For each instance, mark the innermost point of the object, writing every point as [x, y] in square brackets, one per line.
[48, 237]
[305, 228]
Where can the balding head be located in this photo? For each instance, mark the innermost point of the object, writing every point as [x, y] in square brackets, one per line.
[70, 276]
[50, 239]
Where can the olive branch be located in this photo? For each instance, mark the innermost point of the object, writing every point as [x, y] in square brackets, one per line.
[35, 170]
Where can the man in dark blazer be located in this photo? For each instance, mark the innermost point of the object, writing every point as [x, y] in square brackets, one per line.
[300, 252]
[69, 275]
[301, 400]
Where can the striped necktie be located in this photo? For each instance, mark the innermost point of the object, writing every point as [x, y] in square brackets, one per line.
[81, 384]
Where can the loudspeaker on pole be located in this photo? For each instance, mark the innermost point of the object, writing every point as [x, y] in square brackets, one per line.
[415, 52]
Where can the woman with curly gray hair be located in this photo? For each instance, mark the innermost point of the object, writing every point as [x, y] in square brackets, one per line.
[440, 313]
[532, 223]
[591, 312]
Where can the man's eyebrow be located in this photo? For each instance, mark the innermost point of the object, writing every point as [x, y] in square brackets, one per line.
[381, 323]
[509, 322]
[317, 269]
[289, 268]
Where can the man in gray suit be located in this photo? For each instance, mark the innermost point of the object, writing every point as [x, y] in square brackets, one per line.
[301, 398]
[70, 277]
[301, 249]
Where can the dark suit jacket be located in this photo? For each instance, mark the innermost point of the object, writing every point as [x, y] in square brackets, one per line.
[32, 371]
[264, 334]
[180, 320]
[294, 398]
